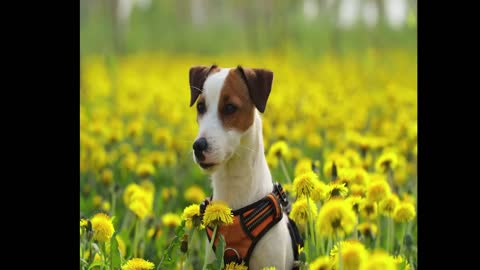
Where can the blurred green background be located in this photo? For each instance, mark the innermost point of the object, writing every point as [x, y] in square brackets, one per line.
[212, 27]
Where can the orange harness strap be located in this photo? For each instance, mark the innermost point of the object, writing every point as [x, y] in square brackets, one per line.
[250, 223]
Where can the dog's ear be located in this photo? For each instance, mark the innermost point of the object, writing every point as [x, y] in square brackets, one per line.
[198, 75]
[259, 84]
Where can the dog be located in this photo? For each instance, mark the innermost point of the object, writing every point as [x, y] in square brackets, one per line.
[229, 147]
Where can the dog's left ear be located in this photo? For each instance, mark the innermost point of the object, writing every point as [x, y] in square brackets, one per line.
[259, 83]
[198, 76]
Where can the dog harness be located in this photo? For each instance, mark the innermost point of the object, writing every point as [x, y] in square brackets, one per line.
[252, 222]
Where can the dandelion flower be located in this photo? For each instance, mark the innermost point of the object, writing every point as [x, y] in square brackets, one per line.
[102, 227]
[217, 213]
[377, 190]
[191, 215]
[336, 217]
[171, 220]
[138, 264]
[145, 170]
[388, 205]
[194, 194]
[97, 201]
[355, 201]
[235, 266]
[139, 208]
[300, 213]
[368, 229]
[129, 191]
[404, 212]
[107, 176]
[340, 162]
[379, 260]
[319, 192]
[358, 190]
[368, 209]
[386, 161]
[305, 183]
[353, 255]
[304, 165]
[336, 191]
[280, 150]
[321, 263]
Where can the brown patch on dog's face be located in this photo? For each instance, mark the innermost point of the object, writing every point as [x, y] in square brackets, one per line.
[235, 108]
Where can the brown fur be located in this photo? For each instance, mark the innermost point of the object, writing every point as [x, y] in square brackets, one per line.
[235, 91]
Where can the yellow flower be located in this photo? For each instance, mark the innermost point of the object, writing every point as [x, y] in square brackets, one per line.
[388, 205]
[305, 183]
[340, 163]
[355, 201]
[139, 208]
[353, 255]
[336, 217]
[169, 193]
[319, 192]
[300, 213]
[97, 201]
[377, 190]
[148, 186]
[336, 191]
[217, 213]
[83, 223]
[138, 264]
[304, 165]
[358, 190]
[269, 268]
[280, 150]
[191, 215]
[386, 161]
[368, 229]
[106, 206]
[171, 220]
[404, 212]
[321, 263]
[145, 169]
[235, 266]
[107, 176]
[155, 232]
[379, 260]
[368, 209]
[129, 191]
[102, 227]
[194, 194]
[130, 161]
[360, 177]
[314, 140]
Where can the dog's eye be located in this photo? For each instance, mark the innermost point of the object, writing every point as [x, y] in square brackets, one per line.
[229, 109]
[201, 108]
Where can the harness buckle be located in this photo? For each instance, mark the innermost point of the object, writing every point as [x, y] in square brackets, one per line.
[281, 194]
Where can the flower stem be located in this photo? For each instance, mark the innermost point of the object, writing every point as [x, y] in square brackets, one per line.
[402, 239]
[284, 169]
[135, 239]
[207, 254]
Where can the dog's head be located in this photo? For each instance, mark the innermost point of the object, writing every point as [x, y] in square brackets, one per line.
[226, 101]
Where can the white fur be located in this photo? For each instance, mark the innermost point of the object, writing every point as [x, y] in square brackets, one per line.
[242, 175]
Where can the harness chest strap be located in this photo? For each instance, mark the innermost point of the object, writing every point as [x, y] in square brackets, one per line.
[250, 223]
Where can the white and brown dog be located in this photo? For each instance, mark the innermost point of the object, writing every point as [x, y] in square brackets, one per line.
[229, 146]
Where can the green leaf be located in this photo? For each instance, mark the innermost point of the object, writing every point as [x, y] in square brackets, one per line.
[167, 254]
[95, 264]
[219, 252]
[115, 260]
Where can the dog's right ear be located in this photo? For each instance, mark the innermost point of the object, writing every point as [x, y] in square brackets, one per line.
[198, 76]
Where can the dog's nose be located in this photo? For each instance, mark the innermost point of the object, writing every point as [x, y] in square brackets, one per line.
[199, 146]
